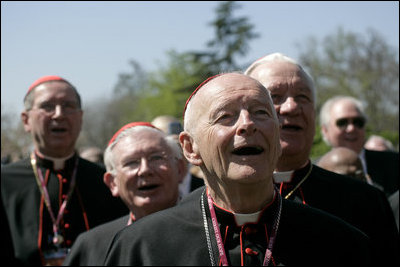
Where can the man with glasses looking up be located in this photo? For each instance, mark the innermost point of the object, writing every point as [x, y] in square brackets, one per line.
[343, 123]
[53, 195]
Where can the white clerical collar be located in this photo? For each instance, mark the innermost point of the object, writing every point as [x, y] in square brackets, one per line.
[283, 177]
[243, 218]
[58, 163]
[246, 218]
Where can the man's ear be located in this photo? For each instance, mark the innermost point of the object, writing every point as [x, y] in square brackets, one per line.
[110, 180]
[190, 149]
[324, 132]
[25, 121]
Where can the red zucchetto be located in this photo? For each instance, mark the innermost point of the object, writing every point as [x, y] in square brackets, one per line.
[130, 125]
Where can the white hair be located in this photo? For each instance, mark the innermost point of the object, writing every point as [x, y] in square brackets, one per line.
[325, 112]
[279, 57]
[109, 156]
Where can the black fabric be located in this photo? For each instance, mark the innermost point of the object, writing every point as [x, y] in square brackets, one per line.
[195, 182]
[22, 201]
[90, 247]
[383, 168]
[354, 201]
[176, 237]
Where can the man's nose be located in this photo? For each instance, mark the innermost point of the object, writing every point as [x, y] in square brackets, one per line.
[290, 105]
[246, 124]
[58, 111]
[144, 167]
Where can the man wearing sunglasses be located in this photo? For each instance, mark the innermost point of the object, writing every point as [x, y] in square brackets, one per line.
[343, 122]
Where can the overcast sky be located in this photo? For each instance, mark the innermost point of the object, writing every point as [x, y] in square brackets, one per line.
[90, 43]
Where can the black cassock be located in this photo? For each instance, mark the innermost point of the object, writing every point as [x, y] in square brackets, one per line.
[177, 237]
[358, 203]
[29, 221]
[90, 248]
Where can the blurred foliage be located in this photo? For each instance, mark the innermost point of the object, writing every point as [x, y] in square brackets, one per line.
[363, 66]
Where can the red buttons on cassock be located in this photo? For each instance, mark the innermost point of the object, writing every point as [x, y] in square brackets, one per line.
[251, 252]
[66, 226]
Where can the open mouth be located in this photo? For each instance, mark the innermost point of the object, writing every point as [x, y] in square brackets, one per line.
[58, 130]
[248, 151]
[291, 127]
[147, 187]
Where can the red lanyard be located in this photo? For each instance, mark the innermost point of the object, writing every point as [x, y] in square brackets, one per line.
[57, 239]
[218, 237]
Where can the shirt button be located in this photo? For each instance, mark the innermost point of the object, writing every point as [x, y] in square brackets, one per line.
[251, 252]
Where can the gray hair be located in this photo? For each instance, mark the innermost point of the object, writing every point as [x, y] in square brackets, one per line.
[170, 141]
[279, 57]
[325, 112]
[29, 97]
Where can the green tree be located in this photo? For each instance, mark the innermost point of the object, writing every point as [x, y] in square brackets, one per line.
[363, 66]
[231, 40]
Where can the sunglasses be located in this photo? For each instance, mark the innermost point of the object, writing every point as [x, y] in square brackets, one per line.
[358, 122]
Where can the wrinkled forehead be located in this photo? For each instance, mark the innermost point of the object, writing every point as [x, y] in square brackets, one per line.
[344, 109]
[229, 83]
[271, 72]
[54, 89]
[143, 140]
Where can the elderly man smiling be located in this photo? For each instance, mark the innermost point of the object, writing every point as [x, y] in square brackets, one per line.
[239, 218]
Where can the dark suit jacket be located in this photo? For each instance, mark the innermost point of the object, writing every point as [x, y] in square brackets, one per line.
[90, 248]
[28, 217]
[383, 168]
[176, 237]
[356, 202]
[195, 182]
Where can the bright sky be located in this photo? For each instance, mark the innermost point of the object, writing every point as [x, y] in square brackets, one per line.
[90, 43]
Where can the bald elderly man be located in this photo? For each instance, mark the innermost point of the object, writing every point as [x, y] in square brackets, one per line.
[344, 161]
[231, 132]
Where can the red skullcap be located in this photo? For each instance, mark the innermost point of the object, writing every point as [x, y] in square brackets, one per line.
[130, 125]
[46, 79]
[197, 89]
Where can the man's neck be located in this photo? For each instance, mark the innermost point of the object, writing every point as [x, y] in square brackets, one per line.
[243, 198]
[58, 162]
[290, 164]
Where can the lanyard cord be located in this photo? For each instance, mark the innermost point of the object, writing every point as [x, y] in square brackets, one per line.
[298, 185]
[221, 249]
[43, 190]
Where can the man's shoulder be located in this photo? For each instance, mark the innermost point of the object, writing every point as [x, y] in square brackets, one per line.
[90, 247]
[22, 165]
[312, 221]
[388, 154]
[342, 182]
[87, 165]
[185, 214]
[324, 234]
[108, 229]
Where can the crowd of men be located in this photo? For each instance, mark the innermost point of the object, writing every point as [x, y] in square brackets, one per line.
[232, 185]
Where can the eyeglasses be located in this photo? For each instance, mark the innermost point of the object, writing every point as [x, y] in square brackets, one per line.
[153, 161]
[49, 108]
[358, 122]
